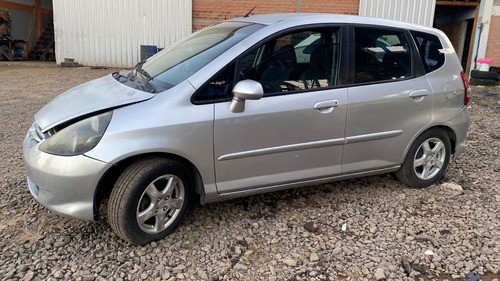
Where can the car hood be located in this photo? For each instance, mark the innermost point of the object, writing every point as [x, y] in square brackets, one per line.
[90, 97]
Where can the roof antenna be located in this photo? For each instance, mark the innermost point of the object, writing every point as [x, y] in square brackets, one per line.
[248, 14]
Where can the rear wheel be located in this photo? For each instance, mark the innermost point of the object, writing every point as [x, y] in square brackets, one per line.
[426, 160]
[149, 200]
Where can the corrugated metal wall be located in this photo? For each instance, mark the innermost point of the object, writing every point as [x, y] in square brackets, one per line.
[110, 32]
[412, 11]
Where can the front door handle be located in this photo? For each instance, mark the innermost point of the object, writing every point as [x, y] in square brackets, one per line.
[418, 93]
[326, 106]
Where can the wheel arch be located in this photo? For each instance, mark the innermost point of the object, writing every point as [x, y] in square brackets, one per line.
[408, 173]
[449, 132]
[451, 136]
[107, 181]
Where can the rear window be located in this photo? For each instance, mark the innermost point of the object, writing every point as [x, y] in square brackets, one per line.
[429, 47]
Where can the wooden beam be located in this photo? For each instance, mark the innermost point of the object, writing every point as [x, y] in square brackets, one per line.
[471, 56]
[29, 41]
[39, 22]
[15, 6]
[457, 3]
[22, 7]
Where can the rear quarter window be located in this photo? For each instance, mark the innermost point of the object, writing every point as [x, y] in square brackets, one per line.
[429, 47]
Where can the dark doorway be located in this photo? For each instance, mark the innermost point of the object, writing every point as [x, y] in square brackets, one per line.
[26, 30]
[458, 21]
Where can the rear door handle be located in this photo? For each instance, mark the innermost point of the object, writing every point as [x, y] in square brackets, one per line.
[419, 93]
[326, 106]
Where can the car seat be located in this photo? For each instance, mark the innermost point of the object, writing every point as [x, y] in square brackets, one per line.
[320, 67]
[280, 66]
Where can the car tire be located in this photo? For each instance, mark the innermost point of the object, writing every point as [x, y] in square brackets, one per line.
[149, 200]
[426, 160]
[492, 75]
[483, 82]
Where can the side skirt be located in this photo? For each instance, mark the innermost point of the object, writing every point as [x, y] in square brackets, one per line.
[216, 197]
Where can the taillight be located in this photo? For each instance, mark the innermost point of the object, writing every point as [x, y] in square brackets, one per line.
[467, 88]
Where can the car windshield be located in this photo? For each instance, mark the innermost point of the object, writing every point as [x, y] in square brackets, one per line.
[178, 62]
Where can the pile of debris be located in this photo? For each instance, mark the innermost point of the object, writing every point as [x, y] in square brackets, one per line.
[17, 49]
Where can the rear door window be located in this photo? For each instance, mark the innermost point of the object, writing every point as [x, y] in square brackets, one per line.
[429, 48]
[381, 55]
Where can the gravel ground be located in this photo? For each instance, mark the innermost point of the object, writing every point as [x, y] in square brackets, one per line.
[365, 229]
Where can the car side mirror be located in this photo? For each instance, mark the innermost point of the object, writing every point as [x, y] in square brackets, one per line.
[245, 90]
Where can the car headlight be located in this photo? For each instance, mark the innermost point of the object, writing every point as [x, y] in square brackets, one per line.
[79, 137]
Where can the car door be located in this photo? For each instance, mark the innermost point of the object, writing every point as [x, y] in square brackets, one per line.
[296, 130]
[389, 101]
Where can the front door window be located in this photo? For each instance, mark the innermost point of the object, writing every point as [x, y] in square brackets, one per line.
[295, 62]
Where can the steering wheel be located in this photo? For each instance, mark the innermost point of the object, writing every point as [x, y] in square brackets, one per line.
[286, 86]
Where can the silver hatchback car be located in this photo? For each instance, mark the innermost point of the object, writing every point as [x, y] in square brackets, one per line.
[250, 105]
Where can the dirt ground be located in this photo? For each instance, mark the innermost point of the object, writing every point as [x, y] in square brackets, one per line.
[260, 237]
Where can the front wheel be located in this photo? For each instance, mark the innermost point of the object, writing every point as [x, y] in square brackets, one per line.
[149, 200]
[426, 160]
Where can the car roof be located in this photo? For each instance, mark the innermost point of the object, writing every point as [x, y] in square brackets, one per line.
[308, 18]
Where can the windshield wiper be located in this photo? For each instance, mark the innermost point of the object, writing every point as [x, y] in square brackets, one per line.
[138, 68]
[144, 72]
[144, 82]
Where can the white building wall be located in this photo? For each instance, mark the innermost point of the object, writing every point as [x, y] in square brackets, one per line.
[411, 11]
[483, 28]
[110, 32]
